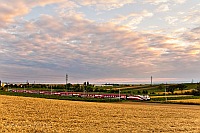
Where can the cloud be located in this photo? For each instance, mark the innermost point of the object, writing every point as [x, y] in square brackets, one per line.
[158, 2]
[67, 42]
[79, 42]
[180, 1]
[192, 36]
[105, 4]
[81, 47]
[192, 16]
[171, 20]
[132, 19]
[10, 9]
[163, 8]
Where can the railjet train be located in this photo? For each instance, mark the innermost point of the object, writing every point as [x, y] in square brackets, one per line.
[88, 95]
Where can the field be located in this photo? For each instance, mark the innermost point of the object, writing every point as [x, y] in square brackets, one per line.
[171, 96]
[175, 92]
[189, 101]
[22, 114]
[180, 99]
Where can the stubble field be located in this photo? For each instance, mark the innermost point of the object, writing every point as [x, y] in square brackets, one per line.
[21, 114]
[189, 101]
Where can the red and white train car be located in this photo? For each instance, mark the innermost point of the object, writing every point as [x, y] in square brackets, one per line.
[139, 97]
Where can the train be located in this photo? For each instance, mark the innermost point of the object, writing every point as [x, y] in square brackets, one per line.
[88, 95]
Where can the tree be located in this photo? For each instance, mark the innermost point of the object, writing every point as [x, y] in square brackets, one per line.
[89, 88]
[68, 86]
[198, 87]
[77, 87]
[161, 87]
[181, 87]
[87, 83]
[145, 92]
[196, 92]
[171, 88]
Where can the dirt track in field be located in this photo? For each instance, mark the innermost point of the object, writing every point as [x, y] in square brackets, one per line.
[20, 114]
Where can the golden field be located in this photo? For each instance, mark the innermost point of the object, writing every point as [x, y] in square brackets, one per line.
[175, 92]
[171, 96]
[197, 101]
[21, 114]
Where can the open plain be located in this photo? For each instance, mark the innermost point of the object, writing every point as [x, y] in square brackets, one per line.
[22, 114]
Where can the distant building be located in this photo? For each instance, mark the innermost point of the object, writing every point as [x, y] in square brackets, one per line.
[102, 85]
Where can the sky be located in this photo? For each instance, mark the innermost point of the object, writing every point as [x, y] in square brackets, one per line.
[100, 41]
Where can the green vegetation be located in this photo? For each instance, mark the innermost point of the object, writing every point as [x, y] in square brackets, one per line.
[58, 97]
[171, 91]
[158, 89]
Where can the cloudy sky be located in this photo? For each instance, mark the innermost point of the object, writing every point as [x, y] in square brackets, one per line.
[101, 41]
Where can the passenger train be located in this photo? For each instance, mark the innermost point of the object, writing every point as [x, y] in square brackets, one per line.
[88, 95]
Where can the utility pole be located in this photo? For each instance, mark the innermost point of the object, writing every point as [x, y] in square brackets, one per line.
[66, 81]
[165, 92]
[151, 80]
[119, 94]
[27, 84]
[51, 90]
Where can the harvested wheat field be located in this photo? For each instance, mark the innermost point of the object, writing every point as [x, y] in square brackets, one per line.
[192, 101]
[20, 114]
